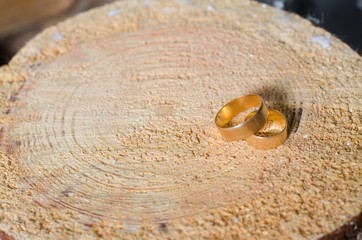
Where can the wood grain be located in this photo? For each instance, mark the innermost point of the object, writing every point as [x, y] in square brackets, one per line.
[133, 132]
[112, 134]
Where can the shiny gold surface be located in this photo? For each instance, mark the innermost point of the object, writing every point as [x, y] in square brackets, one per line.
[247, 128]
[269, 137]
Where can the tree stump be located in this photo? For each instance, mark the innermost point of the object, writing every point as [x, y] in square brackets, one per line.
[107, 127]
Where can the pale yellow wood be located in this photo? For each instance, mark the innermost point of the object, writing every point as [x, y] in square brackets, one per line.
[108, 129]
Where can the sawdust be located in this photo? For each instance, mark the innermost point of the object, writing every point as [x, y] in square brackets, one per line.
[151, 81]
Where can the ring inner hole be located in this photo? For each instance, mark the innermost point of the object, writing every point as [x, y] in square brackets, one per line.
[273, 126]
[241, 117]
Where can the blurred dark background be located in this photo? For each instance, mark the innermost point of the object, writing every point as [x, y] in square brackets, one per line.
[20, 20]
[342, 18]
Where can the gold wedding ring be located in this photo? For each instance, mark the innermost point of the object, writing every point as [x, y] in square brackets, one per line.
[248, 127]
[269, 141]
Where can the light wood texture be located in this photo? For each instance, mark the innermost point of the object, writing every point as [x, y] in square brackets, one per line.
[107, 127]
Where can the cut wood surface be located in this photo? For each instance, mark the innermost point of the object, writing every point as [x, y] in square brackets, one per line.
[108, 127]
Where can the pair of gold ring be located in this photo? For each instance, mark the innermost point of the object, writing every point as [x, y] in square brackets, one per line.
[248, 130]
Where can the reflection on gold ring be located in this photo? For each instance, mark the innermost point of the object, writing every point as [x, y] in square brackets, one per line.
[247, 128]
[276, 139]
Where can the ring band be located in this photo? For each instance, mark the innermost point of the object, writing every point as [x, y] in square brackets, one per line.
[269, 142]
[248, 127]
